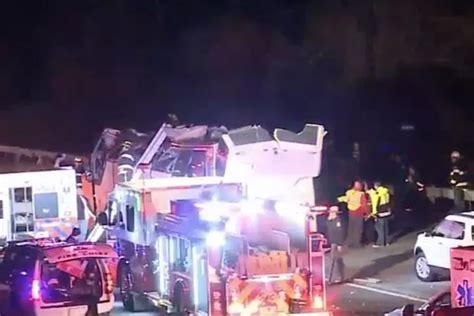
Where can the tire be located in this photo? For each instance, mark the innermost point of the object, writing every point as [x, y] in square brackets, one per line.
[424, 272]
[125, 282]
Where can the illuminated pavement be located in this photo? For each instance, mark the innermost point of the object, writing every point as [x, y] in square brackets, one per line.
[393, 266]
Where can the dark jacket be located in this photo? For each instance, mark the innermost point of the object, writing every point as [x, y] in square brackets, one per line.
[335, 231]
[458, 176]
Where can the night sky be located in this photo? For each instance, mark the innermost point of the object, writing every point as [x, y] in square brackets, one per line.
[71, 68]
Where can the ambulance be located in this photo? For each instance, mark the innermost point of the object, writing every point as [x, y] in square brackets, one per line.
[38, 204]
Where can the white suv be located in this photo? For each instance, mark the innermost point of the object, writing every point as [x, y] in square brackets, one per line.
[432, 249]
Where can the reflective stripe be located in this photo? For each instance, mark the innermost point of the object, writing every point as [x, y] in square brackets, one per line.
[121, 167]
[461, 184]
[127, 156]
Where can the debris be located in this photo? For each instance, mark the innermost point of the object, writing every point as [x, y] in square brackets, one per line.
[367, 280]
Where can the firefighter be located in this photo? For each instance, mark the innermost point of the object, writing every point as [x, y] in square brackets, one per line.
[458, 181]
[382, 213]
[335, 234]
[80, 171]
[357, 206]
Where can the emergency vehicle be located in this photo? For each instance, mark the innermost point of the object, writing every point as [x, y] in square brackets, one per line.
[459, 299]
[47, 277]
[284, 161]
[205, 247]
[40, 204]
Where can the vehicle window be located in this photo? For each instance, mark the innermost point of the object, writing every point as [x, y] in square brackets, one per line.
[130, 213]
[165, 158]
[179, 253]
[20, 260]
[456, 231]
[232, 251]
[23, 195]
[450, 229]
[192, 163]
[46, 205]
[67, 280]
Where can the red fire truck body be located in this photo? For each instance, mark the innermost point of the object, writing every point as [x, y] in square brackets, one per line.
[204, 249]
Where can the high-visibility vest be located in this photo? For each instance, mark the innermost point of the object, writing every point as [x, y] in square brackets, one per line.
[374, 200]
[352, 198]
[383, 195]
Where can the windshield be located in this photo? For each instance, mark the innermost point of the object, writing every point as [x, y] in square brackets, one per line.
[71, 280]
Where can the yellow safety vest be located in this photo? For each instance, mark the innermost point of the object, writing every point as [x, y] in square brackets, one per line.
[352, 198]
[383, 195]
[374, 200]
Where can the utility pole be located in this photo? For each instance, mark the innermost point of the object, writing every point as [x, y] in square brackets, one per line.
[368, 25]
[371, 33]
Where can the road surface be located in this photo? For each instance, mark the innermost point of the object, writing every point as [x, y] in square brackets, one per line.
[391, 266]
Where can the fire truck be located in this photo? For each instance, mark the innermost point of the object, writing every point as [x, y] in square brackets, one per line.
[284, 161]
[39, 204]
[205, 247]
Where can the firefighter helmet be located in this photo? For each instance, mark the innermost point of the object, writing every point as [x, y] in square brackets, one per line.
[455, 154]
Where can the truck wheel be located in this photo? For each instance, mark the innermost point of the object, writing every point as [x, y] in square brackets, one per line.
[126, 289]
[424, 272]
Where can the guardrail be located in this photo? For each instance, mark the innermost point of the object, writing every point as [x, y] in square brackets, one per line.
[434, 193]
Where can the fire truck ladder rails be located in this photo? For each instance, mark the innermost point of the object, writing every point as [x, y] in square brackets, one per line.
[158, 300]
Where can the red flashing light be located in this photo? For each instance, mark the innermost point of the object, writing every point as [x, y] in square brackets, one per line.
[109, 287]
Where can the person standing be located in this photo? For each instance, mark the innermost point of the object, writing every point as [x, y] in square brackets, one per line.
[382, 214]
[369, 219]
[357, 206]
[458, 181]
[335, 234]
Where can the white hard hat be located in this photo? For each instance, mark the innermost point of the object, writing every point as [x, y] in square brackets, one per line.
[455, 154]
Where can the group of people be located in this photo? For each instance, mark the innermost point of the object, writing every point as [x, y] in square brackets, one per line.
[368, 207]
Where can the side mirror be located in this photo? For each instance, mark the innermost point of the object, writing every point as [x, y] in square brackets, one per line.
[408, 310]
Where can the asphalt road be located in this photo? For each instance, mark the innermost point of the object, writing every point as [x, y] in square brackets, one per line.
[391, 266]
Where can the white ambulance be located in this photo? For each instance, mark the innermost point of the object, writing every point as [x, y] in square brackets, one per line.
[38, 204]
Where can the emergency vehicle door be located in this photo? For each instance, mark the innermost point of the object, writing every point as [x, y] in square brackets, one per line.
[4, 230]
[22, 210]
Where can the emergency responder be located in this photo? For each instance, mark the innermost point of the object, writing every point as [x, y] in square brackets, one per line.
[372, 214]
[335, 234]
[76, 232]
[369, 219]
[381, 208]
[458, 181]
[357, 206]
[80, 171]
